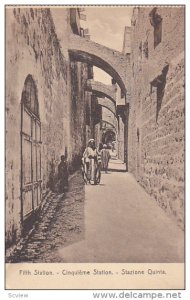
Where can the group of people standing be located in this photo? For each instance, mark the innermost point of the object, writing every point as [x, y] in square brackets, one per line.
[100, 154]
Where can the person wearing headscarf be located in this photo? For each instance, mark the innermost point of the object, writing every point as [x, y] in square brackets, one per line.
[89, 153]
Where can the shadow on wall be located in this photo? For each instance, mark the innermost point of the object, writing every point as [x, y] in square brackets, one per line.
[54, 180]
[11, 237]
[161, 90]
[159, 84]
[53, 177]
[75, 164]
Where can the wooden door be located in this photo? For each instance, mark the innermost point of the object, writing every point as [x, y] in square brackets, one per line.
[30, 151]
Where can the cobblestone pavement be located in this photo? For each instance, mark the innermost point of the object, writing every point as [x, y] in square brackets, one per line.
[61, 223]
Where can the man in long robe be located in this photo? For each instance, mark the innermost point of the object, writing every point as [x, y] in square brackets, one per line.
[105, 157]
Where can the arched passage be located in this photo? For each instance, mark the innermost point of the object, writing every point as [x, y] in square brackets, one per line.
[107, 107]
[106, 123]
[102, 90]
[111, 61]
[108, 136]
[30, 150]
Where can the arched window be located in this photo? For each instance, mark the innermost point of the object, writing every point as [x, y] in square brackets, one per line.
[29, 96]
[30, 150]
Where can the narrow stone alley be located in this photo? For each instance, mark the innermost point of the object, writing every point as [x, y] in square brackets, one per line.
[115, 221]
[85, 96]
[123, 224]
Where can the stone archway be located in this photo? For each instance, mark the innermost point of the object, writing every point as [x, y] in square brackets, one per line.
[111, 61]
[105, 102]
[102, 105]
[108, 136]
[102, 90]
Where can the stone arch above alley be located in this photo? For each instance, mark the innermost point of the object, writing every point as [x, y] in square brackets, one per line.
[107, 105]
[111, 61]
[108, 135]
[107, 128]
[108, 125]
[102, 90]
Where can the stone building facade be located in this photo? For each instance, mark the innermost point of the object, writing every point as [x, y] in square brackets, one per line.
[45, 105]
[156, 116]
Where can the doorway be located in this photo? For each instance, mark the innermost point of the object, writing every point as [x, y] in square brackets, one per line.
[30, 150]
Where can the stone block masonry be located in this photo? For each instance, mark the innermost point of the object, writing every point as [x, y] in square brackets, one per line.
[31, 51]
[162, 147]
[156, 118]
[120, 139]
[79, 98]
[33, 48]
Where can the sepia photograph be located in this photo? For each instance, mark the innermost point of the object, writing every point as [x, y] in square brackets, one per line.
[94, 146]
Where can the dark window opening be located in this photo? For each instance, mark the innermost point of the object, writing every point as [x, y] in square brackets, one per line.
[145, 49]
[157, 34]
[156, 22]
[133, 72]
[75, 21]
[158, 86]
[75, 17]
[32, 13]
[138, 134]
[82, 32]
[90, 72]
[140, 50]
[113, 81]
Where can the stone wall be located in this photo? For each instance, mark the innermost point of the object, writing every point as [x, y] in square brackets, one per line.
[32, 47]
[120, 139]
[79, 98]
[89, 127]
[98, 134]
[156, 118]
